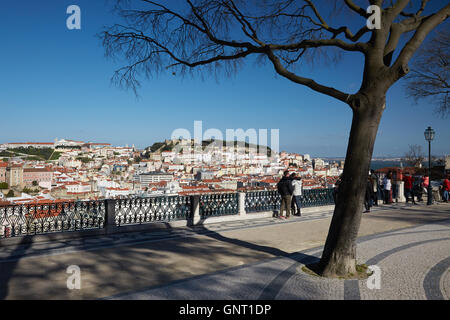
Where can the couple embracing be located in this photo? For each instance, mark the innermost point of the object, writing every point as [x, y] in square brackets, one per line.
[290, 190]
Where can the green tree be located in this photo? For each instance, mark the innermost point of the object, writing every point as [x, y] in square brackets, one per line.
[35, 183]
[209, 36]
[156, 146]
[43, 153]
[84, 159]
[10, 194]
[3, 185]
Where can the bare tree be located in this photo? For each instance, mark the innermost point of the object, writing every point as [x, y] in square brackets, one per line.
[440, 161]
[221, 34]
[414, 157]
[430, 76]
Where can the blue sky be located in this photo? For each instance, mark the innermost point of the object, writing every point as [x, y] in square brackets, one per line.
[55, 82]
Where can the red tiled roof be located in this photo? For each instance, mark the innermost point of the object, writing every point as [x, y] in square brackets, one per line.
[36, 170]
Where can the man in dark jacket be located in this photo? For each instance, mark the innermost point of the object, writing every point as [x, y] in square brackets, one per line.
[285, 189]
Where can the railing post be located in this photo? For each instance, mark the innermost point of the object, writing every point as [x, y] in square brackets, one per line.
[401, 191]
[241, 204]
[110, 219]
[195, 202]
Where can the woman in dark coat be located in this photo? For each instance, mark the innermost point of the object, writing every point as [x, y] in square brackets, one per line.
[368, 198]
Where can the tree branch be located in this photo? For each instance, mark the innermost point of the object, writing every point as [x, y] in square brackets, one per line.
[397, 30]
[426, 25]
[329, 91]
[361, 47]
[356, 8]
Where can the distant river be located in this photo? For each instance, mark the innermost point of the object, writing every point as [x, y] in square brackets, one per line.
[376, 164]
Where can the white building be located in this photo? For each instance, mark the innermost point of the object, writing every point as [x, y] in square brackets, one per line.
[172, 188]
[115, 192]
[153, 177]
[78, 187]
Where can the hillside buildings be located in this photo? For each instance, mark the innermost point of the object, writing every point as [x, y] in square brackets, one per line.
[100, 171]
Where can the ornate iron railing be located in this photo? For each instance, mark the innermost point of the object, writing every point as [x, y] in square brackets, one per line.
[258, 201]
[222, 204]
[317, 197]
[146, 210]
[31, 219]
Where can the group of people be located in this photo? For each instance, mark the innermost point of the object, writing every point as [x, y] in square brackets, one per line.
[387, 189]
[414, 188]
[290, 188]
[374, 190]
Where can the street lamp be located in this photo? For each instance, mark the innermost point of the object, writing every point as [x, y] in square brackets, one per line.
[429, 135]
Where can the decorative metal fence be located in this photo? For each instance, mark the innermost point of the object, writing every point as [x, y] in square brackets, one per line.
[31, 219]
[147, 210]
[222, 204]
[258, 201]
[317, 197]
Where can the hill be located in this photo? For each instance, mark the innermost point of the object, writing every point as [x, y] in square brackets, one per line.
[169, 145]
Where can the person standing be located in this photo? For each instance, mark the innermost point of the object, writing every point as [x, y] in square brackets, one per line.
[387, 186]
[394, 186]
[446, 188]
[425, 181]
[418, 189]
[336, 189]
[408, 186]
[409, 183]
[369, 195]
[297, 194]
[380, 188]
[285, 189]
[375, 186]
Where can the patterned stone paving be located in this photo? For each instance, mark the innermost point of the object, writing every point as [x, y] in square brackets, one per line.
[414, 264]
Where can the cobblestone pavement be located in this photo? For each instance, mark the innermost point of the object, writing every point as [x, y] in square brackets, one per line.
[251, 259]
[412, 263]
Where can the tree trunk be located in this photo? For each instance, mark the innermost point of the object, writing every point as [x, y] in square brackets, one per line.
[339, 255]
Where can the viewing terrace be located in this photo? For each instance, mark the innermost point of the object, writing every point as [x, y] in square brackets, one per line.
[215, 246]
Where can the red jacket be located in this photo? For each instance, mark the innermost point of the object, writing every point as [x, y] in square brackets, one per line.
[446, 185]
[425, 181]
[408, 182]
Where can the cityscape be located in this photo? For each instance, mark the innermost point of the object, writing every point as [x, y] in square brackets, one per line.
[77, 170]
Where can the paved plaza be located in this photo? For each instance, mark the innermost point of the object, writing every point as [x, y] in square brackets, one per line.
[251, 259]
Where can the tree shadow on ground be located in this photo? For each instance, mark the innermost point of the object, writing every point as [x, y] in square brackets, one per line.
[419, 218]
[131, 267]
[7, 268]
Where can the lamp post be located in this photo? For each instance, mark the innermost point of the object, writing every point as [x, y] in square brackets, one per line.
[429, 135]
